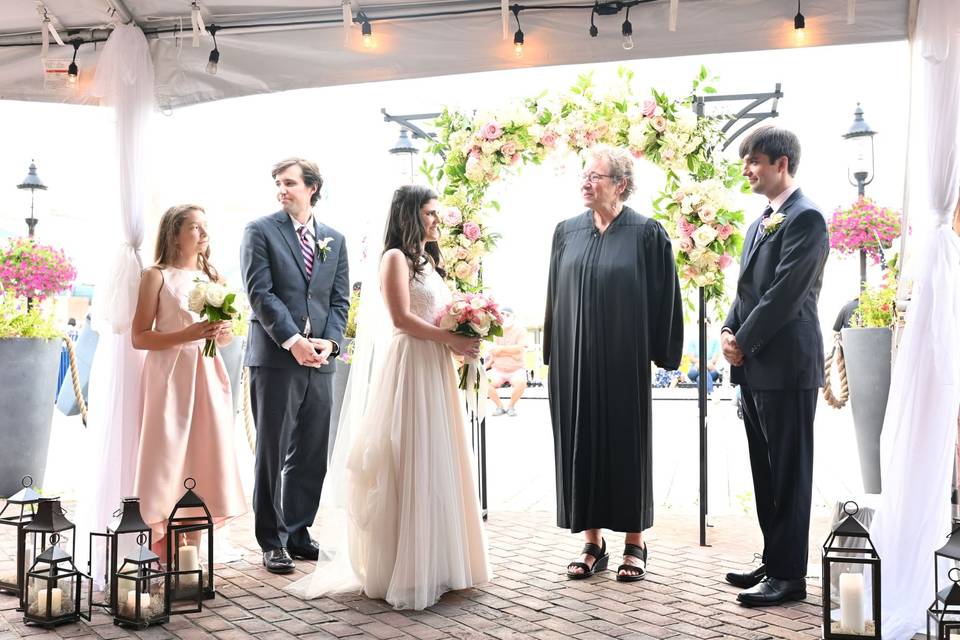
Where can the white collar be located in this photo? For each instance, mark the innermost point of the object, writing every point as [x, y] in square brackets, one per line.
[297, 225]
[777, 203]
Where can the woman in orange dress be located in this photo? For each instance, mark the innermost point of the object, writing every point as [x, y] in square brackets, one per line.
[187, 412]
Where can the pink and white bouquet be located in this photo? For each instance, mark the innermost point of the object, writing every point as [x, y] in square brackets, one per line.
[214, 302]
[474, 315]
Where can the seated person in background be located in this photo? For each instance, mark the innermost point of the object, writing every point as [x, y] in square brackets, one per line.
[665, 378]
[505, 363]
[692, 351]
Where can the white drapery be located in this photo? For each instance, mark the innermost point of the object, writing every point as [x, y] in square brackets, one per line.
[124, 81]
[920, 426]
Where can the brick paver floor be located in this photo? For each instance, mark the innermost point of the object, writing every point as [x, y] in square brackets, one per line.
[683, 596]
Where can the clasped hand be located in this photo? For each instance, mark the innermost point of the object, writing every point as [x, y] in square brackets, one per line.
[206, 330]
[312, 352]
[731, 350]
[466, 346]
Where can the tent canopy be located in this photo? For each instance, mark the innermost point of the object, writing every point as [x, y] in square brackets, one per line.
[292, 44]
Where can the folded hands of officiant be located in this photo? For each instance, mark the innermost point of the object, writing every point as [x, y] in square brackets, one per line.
[731, 350]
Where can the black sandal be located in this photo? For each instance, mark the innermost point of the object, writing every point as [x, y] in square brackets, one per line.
[637, 552]
[601, 558]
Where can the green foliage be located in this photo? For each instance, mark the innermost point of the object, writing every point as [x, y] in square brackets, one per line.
[877, 307]
[18, 320]
[351, 330]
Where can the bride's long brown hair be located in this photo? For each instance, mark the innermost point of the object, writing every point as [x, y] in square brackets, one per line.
[165, 253]
[405, 230]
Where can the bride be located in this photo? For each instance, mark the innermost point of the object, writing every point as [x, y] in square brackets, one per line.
[401, 474]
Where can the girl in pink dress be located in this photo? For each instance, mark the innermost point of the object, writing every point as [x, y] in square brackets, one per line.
[187, 412]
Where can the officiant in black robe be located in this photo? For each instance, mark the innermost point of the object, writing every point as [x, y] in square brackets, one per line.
[613, 306]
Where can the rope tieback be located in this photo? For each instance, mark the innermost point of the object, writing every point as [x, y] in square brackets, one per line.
[835, 357]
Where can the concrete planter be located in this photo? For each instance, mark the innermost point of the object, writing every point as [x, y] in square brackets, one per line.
[28, 386]
[868, 353]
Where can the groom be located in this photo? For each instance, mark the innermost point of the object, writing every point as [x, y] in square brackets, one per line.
[295, 273]
[772, 338]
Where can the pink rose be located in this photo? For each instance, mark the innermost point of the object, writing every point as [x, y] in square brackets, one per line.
[707, 213]
[725, 231]
[637, 153]
[659, 123]
[491, 130]
[472, 231]
[725, 261]
[686, 244]
[686, 228]
[514, 159]
[649, 107]
[549, 139]
[451, 216]
[508, 149]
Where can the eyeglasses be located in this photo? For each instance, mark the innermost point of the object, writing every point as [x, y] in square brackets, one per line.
[594, 178]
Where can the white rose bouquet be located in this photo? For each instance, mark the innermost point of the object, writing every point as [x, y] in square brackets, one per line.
[214, 302]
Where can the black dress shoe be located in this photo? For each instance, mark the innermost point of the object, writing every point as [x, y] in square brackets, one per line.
[749, 579]
[772, 591]
[278, 561]
[309, 552]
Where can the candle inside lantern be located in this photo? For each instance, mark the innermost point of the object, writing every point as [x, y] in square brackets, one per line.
[56, 601]
[189, 560]
[132, 602]
[851, 602]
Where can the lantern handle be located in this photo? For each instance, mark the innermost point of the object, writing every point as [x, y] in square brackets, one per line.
[856, 508]
[141, 539]
[27, 481]
[189, 484]
[54, 538]
[116, 514]
[951, 575]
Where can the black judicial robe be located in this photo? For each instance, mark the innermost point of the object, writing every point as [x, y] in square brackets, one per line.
[613, 306]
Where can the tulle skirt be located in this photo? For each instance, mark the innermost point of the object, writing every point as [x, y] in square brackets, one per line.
[412, 512]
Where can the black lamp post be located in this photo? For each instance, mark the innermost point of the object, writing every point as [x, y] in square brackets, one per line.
[860, 165]
[32, 182]
[18, 512]
[128, 525]
[405, 147]
[852, 611]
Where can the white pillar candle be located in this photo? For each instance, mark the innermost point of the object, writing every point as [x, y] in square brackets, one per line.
[56, 601]
[189, 560]
[851, 602]
[132, 603]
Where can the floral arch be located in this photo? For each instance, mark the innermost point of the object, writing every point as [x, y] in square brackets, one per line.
[694, 205]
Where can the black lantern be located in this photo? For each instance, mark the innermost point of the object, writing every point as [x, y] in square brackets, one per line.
[54, 589]
[123, 531]
[18, 512]
[850, 553]
[944, 613]
[143, 589]
[186, 526]
[35, 535]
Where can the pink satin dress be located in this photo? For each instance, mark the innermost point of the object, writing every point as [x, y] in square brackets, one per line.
[186, 419]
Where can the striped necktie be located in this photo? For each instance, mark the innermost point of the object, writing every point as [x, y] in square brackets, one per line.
[306, 248]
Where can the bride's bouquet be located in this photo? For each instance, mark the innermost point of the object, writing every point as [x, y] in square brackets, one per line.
[474, 315]
[214, 302]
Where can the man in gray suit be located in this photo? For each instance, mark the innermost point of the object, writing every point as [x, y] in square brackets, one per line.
[296, 276]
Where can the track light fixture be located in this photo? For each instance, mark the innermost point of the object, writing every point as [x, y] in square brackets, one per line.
[366, 31]
[518, 36]
[627, 31]
[214, 58]
[73, 72]
[799, 22]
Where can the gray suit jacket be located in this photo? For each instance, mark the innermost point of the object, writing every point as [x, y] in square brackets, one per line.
[281, 295]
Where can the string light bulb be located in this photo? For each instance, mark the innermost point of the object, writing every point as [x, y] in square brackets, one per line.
[799, 22]
[73, 71]
[214, 59]
[366, 32]
[594, 32]
[518, 36]
[627, 31]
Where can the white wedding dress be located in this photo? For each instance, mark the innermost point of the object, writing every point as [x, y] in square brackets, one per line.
[402, 476]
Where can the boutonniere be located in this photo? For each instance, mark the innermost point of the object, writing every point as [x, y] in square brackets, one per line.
[772, 223]
[323, 246]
